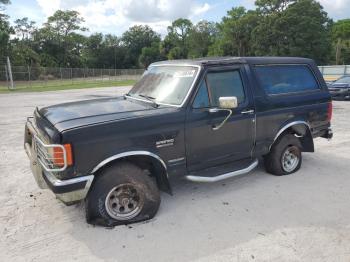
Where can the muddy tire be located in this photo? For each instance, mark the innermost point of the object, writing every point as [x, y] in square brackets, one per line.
[121, 194]
[285, 156]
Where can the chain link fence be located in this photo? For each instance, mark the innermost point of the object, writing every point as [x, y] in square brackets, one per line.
[25, 76]
[4, 81]
[333, 72]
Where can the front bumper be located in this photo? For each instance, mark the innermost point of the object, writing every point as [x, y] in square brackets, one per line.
[68, 191]
[342, 93]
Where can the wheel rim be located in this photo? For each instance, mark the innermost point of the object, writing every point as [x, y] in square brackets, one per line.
[290, 159]
[124, 202]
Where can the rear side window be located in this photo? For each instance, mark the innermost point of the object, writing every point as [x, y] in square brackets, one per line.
[281, 79]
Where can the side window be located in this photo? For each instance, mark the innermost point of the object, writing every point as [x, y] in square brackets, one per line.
[281, 79]
[201, 100]
[228, 83]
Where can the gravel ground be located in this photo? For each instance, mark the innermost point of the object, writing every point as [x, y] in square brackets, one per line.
[255, 217]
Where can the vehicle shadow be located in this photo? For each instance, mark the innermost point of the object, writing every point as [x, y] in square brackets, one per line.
[201, 219]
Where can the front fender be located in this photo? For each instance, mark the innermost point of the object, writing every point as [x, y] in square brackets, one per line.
[159, 166]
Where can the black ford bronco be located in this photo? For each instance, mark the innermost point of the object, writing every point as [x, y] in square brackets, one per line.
[207, 120]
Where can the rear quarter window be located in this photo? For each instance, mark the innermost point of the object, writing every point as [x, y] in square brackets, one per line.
[284, 79]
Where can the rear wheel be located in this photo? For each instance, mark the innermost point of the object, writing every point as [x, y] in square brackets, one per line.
[290, 158]
[122, 194]
[285, 156]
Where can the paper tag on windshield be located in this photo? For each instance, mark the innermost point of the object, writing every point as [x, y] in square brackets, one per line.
[189, 73]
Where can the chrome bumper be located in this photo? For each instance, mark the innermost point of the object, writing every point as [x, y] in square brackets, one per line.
[68, 191]
[71, 190]
[343, 92]
[329, 133]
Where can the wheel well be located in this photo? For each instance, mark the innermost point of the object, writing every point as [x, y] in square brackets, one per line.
[149, 164]
[303, 133]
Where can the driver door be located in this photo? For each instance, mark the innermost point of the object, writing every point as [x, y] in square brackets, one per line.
[207, 147]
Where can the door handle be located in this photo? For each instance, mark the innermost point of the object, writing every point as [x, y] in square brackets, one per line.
[215, 110]
[248, 112]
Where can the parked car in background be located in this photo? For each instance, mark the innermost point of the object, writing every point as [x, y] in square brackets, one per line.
[204, 119]
[340, 89]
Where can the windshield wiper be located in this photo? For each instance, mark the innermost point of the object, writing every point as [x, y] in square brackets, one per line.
[149, 98]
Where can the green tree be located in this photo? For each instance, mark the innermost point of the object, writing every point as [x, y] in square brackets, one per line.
[293, 28]
[3, 3]
[178, 38]
[104, 51]
[201, 37]
[175, 53]
[235, 33]
[268, 36]
[275, 27]
[114, 51]
[151, 54]
[272, 6]
[64, 23]
[341, 41]
[5, 30]
[60, 38]
[22, 54]
[24, 28]
[92, 51]
[136, 38]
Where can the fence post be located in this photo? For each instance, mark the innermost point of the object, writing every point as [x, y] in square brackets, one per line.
[45, 78]
[9, 70]
[30, 83]
[71, 74]
[7, 78]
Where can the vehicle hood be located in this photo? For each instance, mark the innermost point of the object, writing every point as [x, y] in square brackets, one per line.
[339, 85]
[81, 113]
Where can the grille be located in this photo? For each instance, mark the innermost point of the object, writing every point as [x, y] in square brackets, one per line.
[52, 157]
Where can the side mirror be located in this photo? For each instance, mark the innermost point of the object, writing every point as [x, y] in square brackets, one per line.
[228, 102]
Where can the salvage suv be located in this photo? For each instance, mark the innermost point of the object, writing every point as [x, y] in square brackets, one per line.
[207, 120]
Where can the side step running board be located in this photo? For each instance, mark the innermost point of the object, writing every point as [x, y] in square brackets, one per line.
[224, 176]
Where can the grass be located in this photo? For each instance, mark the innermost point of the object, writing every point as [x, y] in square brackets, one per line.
[59, 86]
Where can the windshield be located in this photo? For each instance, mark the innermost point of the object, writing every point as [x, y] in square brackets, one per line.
[165, 84]
[342, 80]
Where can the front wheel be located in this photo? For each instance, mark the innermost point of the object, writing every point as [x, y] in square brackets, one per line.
[285, 156]
[122, 194]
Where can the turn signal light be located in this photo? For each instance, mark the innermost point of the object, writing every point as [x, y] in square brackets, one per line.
[58, 158]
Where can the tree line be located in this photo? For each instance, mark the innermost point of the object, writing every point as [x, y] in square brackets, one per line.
[273, 28]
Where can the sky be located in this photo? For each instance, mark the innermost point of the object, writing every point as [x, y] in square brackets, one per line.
[116, 16]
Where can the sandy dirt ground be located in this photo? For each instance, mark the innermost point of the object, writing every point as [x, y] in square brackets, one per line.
[255, 217]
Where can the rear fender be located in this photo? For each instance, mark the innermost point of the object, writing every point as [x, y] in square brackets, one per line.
[300, 129]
